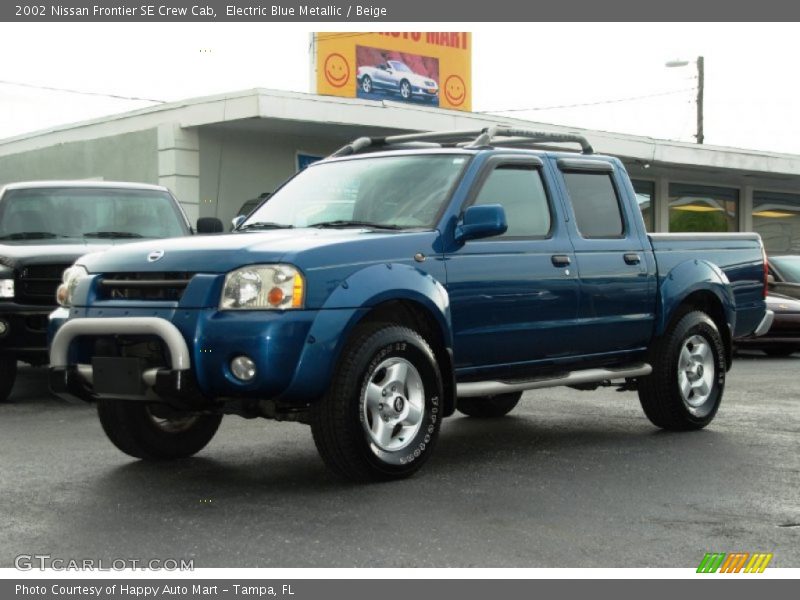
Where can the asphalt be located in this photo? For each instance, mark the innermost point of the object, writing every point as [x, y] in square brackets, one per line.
[569, 479]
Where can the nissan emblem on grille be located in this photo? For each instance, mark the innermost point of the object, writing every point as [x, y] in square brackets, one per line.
[155, 255]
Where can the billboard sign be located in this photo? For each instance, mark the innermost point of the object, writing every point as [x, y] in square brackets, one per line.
[423, 68]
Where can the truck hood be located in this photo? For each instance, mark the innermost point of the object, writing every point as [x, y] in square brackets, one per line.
[305, 248]
[16, 254]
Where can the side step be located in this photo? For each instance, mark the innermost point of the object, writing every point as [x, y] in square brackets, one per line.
[491, 388]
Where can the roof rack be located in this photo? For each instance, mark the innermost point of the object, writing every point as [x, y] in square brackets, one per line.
[481, 138]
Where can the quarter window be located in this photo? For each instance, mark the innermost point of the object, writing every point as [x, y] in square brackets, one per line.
[595, 204]
[520, 191]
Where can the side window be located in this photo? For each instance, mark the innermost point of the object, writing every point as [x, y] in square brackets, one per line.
[519, 189]
[595, 203]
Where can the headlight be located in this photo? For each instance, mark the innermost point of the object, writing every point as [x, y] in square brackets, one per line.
[6, 288]
[260, 287]
[70, 280]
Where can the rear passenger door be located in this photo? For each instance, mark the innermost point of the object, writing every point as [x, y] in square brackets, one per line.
[513, 296]
[617, 289]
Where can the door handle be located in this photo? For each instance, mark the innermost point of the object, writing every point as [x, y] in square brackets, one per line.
[632, 258]
[560, 260]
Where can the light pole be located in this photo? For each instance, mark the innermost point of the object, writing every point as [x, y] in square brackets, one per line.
[700, 62]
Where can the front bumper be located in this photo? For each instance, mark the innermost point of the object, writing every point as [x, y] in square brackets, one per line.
[294, 352]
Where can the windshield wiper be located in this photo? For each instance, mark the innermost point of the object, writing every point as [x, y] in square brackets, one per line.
[264, 225]
[346, 223]
[30, 235]
[111, 234]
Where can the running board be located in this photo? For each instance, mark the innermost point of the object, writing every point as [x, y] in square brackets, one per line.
[492, 388]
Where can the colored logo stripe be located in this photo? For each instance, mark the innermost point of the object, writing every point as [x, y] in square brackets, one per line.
[711, 562]
[758, 563]
[734, 562]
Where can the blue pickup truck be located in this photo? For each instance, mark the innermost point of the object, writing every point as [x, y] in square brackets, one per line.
[401, 279]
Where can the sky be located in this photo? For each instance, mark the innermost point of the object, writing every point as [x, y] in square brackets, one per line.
[751, 83]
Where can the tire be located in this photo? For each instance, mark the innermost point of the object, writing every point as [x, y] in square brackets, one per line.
[489, 407]
[8, 375]
[405, 90]
[685, 388]
[133, 428]
[366, 84]
[780, 351]
[363, 437]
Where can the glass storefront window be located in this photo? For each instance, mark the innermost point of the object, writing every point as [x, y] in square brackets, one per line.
[699, 208]
[645, 197]
[776, 217]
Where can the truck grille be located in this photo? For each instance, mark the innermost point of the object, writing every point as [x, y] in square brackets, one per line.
[165, 287]
[36, 284]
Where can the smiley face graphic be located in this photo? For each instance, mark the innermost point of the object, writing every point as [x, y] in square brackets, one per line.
[455, 90]
[336, 70]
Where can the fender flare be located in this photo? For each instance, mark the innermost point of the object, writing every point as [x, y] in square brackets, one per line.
[347, 305]
[690, 277]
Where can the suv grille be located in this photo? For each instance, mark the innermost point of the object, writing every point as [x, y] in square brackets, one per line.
[165, 287]
[36, 284]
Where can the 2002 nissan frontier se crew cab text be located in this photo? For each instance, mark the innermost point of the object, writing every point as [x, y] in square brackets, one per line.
[403, 278]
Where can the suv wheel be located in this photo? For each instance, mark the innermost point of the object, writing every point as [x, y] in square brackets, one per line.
[142, 431]
[685, 389]
[380, 419]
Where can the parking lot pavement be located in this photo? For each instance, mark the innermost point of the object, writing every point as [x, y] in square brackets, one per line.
[569, 479]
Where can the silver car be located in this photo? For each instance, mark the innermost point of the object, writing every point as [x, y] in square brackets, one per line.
[396, 77]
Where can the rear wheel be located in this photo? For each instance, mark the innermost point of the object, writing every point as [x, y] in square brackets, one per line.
[685, 389]
[487, 407]
[405, 90]
[380, 419]
[366, 84]
[8, 375]
[143, 431]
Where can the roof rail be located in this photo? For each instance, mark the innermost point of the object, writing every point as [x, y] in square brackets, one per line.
[486, 137]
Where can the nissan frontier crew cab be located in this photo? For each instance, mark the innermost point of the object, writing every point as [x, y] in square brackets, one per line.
[399, 280]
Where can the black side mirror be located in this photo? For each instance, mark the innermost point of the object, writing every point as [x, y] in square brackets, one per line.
[481, 222]
[209, 225]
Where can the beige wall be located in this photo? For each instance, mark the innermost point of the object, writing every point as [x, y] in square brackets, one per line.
[238, 165]
[126, 157]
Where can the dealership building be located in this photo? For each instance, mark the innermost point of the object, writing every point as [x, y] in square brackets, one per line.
[217, 152]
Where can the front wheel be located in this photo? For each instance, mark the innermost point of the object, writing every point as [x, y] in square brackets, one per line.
[8, 375]
[685, 388]
[405, 90]
[142, 431]
[380, 418]
[489, 407]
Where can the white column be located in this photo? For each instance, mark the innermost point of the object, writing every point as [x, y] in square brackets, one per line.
[661, 213]
[179, 165]
[746, 208]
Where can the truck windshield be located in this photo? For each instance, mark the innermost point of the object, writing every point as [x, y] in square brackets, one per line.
[74, 212]
[397, 192]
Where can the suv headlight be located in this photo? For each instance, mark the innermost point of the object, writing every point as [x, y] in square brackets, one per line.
[70, 279]
[263, 287]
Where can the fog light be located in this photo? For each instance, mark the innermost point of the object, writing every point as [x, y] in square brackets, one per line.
[3, 327]
[243, 368]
